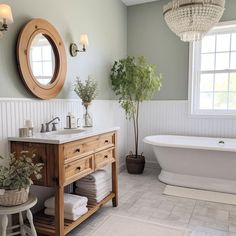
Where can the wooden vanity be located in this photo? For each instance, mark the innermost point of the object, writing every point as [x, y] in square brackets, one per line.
[64, 163]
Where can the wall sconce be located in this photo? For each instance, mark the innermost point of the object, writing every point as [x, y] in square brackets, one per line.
[74, 48]
[5, 17]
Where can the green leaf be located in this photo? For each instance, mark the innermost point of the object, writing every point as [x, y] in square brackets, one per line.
[87, 91]
[17, 174]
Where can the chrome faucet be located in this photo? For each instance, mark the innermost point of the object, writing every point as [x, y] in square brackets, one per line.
[54, 128]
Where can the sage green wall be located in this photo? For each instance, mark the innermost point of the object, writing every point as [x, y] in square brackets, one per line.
[149, 35]
[105, 22]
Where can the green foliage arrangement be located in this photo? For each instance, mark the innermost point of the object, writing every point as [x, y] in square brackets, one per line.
[87, 91]
[133, 81]
[16, 175]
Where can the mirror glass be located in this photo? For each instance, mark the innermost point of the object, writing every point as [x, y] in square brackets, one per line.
[42, 60]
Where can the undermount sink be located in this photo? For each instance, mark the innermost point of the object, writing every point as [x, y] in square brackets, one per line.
[68, 131]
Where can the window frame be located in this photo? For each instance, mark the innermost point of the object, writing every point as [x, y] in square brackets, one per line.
[43, 61]
[194, 77]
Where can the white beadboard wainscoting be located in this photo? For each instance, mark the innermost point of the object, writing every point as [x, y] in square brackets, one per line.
[172, 117]
[156, 117]
[14, 112]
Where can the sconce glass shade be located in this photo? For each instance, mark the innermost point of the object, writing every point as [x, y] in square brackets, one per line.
[84, 40]
[6, 14]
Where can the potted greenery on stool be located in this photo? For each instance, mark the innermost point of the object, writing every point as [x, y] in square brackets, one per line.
[15, 178]
[133, 81]
[87, 91]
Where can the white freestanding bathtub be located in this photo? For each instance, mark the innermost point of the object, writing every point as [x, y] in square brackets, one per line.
[196, 162]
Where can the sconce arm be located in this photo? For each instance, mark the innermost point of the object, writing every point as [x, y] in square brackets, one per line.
[74, 49]
[3, 26]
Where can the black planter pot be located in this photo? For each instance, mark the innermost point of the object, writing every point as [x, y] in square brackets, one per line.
[135, 165]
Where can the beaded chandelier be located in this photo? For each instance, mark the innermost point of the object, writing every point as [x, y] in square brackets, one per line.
[192, 19]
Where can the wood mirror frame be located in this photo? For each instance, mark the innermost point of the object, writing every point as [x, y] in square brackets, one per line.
[26, 36]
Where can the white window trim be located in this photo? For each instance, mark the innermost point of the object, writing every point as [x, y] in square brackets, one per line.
[192, 83]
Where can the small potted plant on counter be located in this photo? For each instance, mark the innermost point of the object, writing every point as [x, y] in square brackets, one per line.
[133, 81]
[87, 92]
[15, 178]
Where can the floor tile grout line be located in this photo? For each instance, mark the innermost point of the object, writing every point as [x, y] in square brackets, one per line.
[192, 212]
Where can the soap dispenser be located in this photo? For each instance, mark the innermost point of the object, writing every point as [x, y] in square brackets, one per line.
[68, 121]
[73, 121]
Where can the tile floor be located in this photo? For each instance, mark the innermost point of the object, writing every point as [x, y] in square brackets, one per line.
[141, 197]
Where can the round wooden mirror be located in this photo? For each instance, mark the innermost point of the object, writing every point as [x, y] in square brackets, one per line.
[41, 59]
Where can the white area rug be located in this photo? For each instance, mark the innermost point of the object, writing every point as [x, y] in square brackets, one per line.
[126, 226]
[200, 194]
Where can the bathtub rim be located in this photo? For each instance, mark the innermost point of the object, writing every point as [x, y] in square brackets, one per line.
[150, 140]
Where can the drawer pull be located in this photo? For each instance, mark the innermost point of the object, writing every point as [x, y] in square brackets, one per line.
[106, 156]
[77, 150]
[106, 141]
[78, 168]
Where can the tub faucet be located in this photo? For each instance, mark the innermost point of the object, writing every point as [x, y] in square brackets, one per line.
[54, 128]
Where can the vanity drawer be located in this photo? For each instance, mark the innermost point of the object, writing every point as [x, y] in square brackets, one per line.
[103, 158]
[78, 169]
[79, 149]
[106, 141]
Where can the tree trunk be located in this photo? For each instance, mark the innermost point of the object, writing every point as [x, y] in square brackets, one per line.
[137, 129]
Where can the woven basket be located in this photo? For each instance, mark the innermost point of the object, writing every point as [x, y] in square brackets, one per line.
[14, 197]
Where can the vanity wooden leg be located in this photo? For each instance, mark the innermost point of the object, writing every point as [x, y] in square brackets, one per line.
[59, 210]
[114, 184]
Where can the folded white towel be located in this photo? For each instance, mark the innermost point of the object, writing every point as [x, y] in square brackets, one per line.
[94, 184]
[91, 196]
[93, 201]
[87, 181]
[99, 175]
[71, 202]
[68, 216]
[92, 191]
[94, 188]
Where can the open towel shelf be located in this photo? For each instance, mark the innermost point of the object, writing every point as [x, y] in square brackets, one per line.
[46, 225]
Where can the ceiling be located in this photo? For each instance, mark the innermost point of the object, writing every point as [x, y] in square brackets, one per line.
[135, 2]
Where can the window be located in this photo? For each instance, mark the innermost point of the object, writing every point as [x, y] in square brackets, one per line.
[212, 77]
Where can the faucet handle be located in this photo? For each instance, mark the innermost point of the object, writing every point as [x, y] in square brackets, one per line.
[42, 128]
[54, 128]
[47, 127]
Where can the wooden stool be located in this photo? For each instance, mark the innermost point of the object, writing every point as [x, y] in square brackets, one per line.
[24, 230]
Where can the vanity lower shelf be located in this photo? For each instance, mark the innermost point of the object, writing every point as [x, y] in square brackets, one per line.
[45, 224]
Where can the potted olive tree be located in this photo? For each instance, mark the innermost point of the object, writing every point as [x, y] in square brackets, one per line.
[15, 178]
[133, 81]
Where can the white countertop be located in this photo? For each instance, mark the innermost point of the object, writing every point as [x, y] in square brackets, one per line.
[58, 137]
